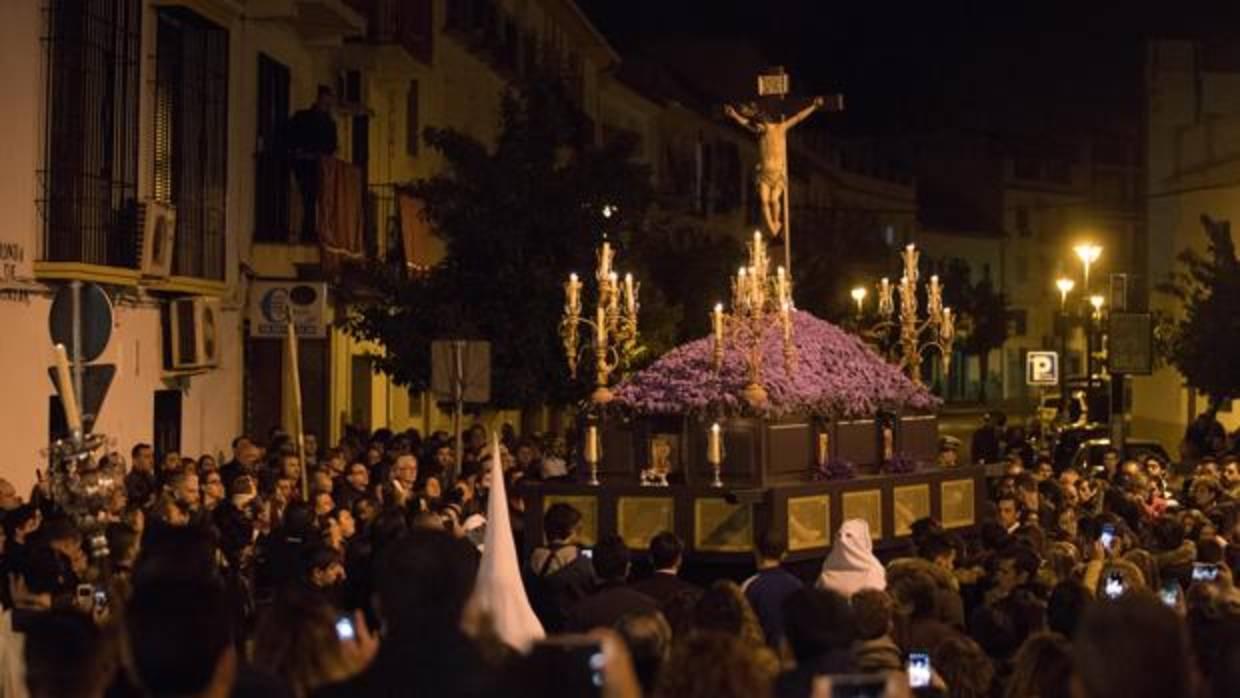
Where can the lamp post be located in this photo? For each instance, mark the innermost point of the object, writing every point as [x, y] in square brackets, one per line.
[1095, 301]
[1065, 286]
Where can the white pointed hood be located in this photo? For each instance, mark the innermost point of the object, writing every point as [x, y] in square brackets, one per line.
[499, 592]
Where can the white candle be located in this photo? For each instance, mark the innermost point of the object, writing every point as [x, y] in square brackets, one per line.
[600, 330]
[613, 297]
[714, 447]
[781, 284]
[605, 261]
[716, 322]
[591, 451]
[573, 290]
[785, 318]
[824, 448]
[69, 399]
[630, 300]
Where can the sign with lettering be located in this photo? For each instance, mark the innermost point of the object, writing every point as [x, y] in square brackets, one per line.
[1042, 368]
[15, 282]
[271, 302]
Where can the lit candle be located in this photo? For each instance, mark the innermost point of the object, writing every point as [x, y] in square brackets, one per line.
[781, 284]
[714, 448]
[948, 327]
[600, 330]
[69, 399]
[716, 322]
[605, 260]
[591, 452]
[742, 287]
[573, 290]
[824, 447]
[630, 299]
[613, 297]
[934, 283]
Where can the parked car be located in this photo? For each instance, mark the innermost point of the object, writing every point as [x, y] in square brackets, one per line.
[1090, 451]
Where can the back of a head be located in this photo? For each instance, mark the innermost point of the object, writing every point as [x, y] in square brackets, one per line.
[817, 621]
[1043, 668]
[1066, 606]
[665, 550]
[560, 520]
[176, 552]
[964, 667]
[720, 609]
[423, 581]
[649, 640]
[914, 590]
[1133, 647]
[773, 544]
[611, 558]
[873, 612]
[296, 641]
[714, 665]
[177, 631]
[46, 571]
[66, 656]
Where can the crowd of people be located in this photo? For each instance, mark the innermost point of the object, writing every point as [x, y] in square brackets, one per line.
[352, 574]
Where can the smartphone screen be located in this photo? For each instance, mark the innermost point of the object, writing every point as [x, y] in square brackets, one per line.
[918, 669]
[1108, 536]
[1113, 585]
[588, 553]
[101, 599]
[1205, 571]
[344, 628]
[1170, 593]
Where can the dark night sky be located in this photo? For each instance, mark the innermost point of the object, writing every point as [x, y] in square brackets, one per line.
[1045, 66]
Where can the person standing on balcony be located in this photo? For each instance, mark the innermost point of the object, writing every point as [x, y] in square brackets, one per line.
[311, 136]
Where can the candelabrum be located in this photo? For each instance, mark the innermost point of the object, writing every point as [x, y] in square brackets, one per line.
[760, 303]
[906, 336]
[613, 325]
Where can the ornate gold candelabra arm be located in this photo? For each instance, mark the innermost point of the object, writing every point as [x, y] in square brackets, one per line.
[568, 335]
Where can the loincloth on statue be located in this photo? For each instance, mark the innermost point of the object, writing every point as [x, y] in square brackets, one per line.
[770, 177]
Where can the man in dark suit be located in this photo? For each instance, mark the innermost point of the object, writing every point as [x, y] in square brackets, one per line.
[614, 598]
[666, 553]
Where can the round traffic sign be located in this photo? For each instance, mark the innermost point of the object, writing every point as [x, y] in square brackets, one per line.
[95, 322]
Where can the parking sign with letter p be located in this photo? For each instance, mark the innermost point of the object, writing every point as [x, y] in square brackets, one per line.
[1042, 368]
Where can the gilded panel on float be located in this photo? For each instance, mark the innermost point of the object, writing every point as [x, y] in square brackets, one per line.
[588, 506]
[957, 503]
[719, 527]
[868, 505]
[809, 522]
[909, 503]
[638, 519]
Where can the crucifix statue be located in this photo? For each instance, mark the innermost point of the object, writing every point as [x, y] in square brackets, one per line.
[767, 119]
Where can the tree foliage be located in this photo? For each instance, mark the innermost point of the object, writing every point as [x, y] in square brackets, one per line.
[982, 313]
[1203, 341]
[515, 220]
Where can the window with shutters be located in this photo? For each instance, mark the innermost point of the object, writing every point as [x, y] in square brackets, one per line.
[191, 136]
[88, 184]
[272, 177]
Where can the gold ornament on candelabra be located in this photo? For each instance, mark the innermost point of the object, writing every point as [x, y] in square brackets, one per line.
[760, 302]
[613, 324]
[908, 345]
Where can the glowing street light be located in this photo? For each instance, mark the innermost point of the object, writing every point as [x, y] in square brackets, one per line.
[858, 295]
[1065, 286]
[1097, 301]
[1089, 253]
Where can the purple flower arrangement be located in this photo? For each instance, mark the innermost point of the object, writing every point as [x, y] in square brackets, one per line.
[835, 375]
[834, 469]
[898, 465]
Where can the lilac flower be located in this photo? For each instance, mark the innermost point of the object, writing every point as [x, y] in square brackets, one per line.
[835, 469]
[835, 375]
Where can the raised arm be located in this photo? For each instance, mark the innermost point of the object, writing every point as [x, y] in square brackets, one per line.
[736, 116]
[804, 113]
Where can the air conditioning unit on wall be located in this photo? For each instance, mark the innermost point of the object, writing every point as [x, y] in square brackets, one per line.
[157, 223]
[193, 333]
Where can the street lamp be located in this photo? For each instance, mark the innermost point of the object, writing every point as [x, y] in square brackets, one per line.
[1096, 301]
[1088, 253]
[858, 295]
[1065, 286]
